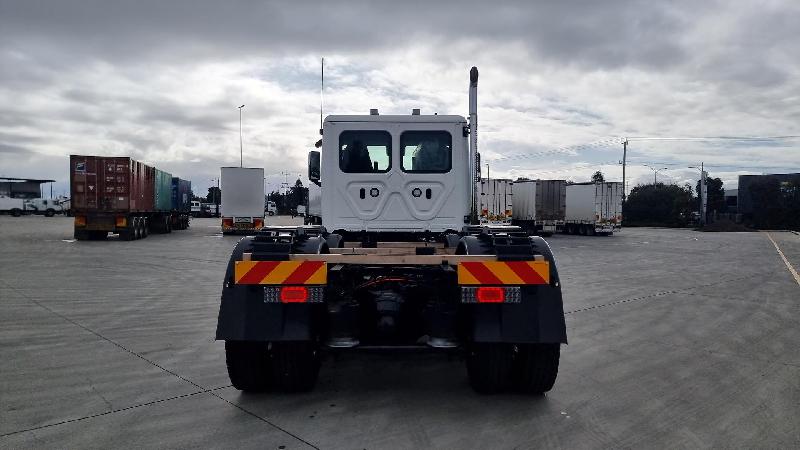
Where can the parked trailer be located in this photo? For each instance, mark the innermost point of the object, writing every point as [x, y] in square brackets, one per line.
[593, 208]
[181, 203]
[539, 206]
[242, 199]
[495, 198]
[118, 195]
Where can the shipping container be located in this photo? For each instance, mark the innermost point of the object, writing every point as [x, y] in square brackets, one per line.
[593, 208]
[495, 200]
[181, 195]
[163, 190]
[539, 205]
[242, 199]
[118, 195]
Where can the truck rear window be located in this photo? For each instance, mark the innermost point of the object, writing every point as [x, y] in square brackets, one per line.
[367, 151]
[426, 151]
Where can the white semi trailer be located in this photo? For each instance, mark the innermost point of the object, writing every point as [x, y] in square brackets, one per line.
[593, 208]
[242, 199]
[540, 206]
[495, 199]
[12, 206]
[399, 262]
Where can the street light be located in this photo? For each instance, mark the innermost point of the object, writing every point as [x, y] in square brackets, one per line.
[702, 193]
[655, 172]
[216, 197]
[241, 158]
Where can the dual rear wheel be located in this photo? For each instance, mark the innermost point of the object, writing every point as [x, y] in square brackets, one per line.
[281, 366]
[500, 367]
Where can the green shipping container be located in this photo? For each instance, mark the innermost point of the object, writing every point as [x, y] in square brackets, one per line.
[163, 191]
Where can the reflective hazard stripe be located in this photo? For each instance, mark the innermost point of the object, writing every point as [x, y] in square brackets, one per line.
[280, 272]
[504, 272]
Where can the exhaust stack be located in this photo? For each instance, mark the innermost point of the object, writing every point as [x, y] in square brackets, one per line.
[473, 141]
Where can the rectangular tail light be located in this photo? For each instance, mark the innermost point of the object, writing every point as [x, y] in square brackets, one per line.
[258, 223]
[294, 294]
[227, 222]
[491, 294]
[122, 222]
[80, 221]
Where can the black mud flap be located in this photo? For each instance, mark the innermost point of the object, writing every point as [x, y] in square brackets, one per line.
[538, 318]
[243, 314]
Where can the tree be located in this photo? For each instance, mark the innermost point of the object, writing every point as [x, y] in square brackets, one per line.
[715, 195]
[598, 177]
[658, 205]
[214, 195]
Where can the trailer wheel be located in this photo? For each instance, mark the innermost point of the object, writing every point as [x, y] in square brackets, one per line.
[248, 365]
[489, 366]
[145, 228]
[536, 367]
[50, 212]
[137, 229]
[295, 366]
[16, 212]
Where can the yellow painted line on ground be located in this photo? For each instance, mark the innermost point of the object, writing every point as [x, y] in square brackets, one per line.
[785, 261]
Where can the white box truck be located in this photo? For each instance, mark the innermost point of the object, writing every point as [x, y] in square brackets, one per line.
[593, 208]
[539, 206]
[12, 206]
[314, 207]
[495, 200]
[242, 205]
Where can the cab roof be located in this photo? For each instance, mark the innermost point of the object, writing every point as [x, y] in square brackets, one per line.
[397, 118]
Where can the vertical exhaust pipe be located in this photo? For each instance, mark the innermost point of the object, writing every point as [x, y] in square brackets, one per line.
[473, 141]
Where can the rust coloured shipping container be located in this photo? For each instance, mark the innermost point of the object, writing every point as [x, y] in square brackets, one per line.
[114, 194]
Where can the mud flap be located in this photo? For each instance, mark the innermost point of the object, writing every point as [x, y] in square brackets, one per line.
[243, 315]
[538, 318]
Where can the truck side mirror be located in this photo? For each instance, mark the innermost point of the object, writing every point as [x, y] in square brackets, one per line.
[313, 167]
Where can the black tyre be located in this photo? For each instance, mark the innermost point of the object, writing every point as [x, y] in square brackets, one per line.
[16, 212]
[50, 213]
[248, 365]
[137, 229]
[489, 366]
[145, 228]
[536, 367]
[294, 366]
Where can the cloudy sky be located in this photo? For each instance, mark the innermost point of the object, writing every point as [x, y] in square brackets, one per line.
[561, 85]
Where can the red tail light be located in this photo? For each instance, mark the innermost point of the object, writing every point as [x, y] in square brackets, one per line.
[227, 222]
[294, 294]
[490, 295]
[258, 223]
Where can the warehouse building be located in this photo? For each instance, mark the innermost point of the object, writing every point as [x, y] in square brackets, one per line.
[22, 187]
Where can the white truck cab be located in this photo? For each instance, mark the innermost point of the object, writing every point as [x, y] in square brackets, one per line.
[395, 173]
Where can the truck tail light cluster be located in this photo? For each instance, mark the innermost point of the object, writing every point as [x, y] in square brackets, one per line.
[122, 222]
[294, 294]
[258, 222]
[491, 294]
[227, 222]
[80, 221]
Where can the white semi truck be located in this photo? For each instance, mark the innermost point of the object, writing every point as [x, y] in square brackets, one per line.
[540, 206]
[398, 262]
[593, 208]
[242, 203]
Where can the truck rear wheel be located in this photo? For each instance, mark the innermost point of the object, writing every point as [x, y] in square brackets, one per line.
[536, 367]
[50, 213]
[295, 366]
[489, 366]
[248, 365]
[16, 212]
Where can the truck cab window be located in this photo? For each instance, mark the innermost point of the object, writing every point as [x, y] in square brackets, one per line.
[365, 151]
[426, 151]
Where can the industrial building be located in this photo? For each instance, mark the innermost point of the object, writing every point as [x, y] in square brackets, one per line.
[22, 187]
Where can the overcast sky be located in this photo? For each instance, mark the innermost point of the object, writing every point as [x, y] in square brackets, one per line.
[561, 83]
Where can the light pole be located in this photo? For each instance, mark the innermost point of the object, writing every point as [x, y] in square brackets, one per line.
[702, 194]
[655, 172]
[216, 197]
[241, 158]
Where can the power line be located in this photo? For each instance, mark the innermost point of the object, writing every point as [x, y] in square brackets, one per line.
[608, 142]
[714, 138]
